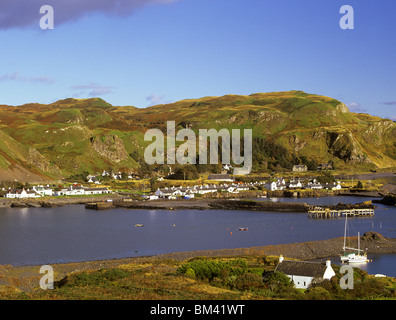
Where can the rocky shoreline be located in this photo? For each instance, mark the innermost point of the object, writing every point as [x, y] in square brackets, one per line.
[310, 250]
[115, 201]
[245, 202]
[214, 204]
[52, 202]
[389, 200]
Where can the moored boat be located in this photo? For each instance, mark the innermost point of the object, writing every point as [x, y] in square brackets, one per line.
[352, 257]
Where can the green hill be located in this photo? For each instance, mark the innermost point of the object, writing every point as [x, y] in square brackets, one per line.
[45, 142]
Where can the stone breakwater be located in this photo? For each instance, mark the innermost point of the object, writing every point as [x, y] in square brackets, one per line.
[51, 202]
[215, 204]
[234, 204]
[116, 201]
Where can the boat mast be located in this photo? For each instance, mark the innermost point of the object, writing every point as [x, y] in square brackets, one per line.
[346, 217]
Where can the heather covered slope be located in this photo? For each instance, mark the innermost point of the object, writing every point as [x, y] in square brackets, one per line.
[73, 136]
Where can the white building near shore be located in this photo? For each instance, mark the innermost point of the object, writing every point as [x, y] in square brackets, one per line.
[21, 193]
[303, 273]
[80, 190]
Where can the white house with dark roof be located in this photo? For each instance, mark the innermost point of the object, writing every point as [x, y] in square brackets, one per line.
[43, 190]
[169, 193]
[21, 193]
[72, 191]
[302, 273]
[314, 184]
[295, 184]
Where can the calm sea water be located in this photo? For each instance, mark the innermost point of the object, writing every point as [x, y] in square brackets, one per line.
[37, 236]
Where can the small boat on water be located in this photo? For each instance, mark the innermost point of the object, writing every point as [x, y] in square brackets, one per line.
[353, 257]
[243, 228]
[139, 225]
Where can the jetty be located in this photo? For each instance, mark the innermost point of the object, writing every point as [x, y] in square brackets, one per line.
[364, 209]
[331, 213]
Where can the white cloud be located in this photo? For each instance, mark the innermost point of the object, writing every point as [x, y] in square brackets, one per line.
[92, 89]
[17, 77]
[355, 107]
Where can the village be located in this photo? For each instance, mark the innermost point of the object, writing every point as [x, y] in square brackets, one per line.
[228, 185]
[42, 191]
[215, 183]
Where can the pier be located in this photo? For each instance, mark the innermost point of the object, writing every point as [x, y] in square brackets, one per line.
[99, 205]
[331, 213]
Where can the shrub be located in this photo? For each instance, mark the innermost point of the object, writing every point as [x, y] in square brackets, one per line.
[278, 282]
[206, 269]
[190, 273]
[248, 281]
[318, 293]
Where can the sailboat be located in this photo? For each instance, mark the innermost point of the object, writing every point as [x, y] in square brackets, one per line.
[354, 257]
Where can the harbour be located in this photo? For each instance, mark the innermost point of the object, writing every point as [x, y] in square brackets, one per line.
[36, 236]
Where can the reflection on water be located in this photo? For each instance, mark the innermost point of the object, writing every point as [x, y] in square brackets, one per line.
[73, 233]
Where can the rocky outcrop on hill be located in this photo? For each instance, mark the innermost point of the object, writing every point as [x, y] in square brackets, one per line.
[110, 146]
[345, 147]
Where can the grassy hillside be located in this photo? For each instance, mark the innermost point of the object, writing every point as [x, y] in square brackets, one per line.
[72, 136]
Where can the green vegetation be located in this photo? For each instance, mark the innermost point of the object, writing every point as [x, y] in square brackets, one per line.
[230, 278]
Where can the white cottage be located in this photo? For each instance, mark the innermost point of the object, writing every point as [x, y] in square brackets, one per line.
[276, 185]
[302, 273]
[167, 193]
[43, 190]
[72, 191]
[90, 191]
[295, 184]
[21, 193]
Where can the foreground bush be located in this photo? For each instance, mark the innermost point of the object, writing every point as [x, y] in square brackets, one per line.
[207, 269]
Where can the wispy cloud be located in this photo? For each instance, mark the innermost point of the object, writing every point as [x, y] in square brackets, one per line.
[389, 103]
[18, 77]
[92, 89]
[355, 107]
[155, 99]
[25, 13]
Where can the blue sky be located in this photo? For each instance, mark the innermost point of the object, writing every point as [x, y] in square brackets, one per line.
[146, 52]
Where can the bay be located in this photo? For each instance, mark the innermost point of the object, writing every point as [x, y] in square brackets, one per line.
[36, 236]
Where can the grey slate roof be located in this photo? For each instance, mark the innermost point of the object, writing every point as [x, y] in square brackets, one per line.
[302, 268]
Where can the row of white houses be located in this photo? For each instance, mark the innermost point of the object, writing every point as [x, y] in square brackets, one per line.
[80, 190]
[41, 191]
[280, 184]
[189, 192]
